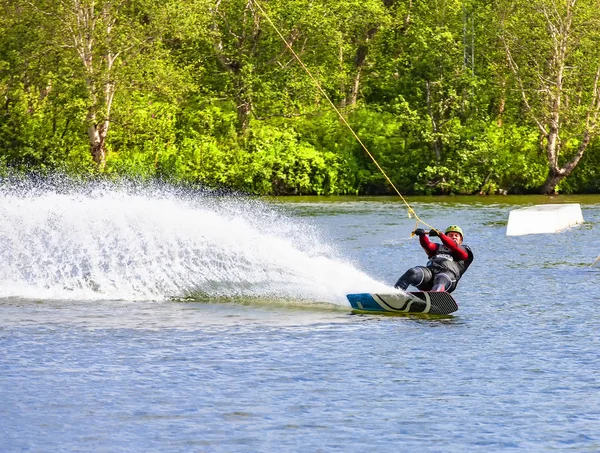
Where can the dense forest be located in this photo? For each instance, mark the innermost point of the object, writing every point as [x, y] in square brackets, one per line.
[448, 96]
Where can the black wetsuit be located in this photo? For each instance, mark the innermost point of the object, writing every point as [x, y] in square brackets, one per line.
[447, 264]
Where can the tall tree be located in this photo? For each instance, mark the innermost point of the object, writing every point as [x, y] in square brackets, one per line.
[552, 49]
[356, 24]
[433, 70]
[104, 36]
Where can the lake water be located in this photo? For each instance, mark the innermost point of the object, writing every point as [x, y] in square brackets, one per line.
[156, 320]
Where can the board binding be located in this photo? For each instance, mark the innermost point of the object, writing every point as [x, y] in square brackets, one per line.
[419, 302]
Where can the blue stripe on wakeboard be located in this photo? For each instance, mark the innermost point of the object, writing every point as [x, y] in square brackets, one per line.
[364, 301]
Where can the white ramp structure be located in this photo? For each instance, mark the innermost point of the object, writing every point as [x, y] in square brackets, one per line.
[543, 218]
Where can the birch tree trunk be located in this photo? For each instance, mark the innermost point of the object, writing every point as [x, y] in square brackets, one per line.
[360, 61]
[91, 28]
[101, 35]
[235, 43]
[553, 67]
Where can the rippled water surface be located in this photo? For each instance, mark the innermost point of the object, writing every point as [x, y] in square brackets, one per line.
[139, 322]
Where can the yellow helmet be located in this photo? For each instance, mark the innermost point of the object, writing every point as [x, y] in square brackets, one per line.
[456, 229]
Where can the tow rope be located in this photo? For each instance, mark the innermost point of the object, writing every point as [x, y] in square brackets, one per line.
[411, 211]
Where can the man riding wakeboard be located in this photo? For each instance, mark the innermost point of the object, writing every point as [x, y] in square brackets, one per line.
[447, 263]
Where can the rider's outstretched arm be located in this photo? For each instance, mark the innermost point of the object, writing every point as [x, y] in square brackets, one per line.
[458, 252]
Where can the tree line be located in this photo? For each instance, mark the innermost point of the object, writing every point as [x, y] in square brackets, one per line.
[448, 96]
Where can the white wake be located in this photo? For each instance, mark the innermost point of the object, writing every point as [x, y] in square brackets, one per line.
[124, 242]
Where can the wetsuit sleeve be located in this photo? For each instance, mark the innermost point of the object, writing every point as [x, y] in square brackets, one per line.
[429, 247]
[458, 252]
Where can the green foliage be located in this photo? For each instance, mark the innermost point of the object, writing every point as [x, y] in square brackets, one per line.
[586, 177]
[488, 161]
[267, 161]
[40, 130]
[208, 93]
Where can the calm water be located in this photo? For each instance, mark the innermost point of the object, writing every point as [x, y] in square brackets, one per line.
[157, 321]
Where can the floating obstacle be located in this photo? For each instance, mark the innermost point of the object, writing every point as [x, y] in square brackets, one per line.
[543, 218]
